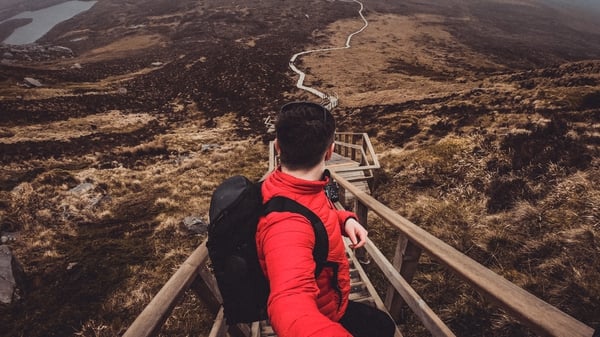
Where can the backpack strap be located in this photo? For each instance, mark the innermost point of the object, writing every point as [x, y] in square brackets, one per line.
[321, 249]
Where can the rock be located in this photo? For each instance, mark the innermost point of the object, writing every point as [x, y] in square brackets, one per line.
[82, 188]
[9, 237]
[76, 66]
[61, 49]
[11, 276]
[32, 82]
[7, 55]
[209, 147]
[195, 224]
[157, 64]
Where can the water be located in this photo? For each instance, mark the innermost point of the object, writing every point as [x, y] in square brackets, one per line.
[44, 20]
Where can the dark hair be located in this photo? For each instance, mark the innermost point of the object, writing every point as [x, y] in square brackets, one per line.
[304, 132]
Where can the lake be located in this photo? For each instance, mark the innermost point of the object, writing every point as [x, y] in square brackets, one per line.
[44, 20]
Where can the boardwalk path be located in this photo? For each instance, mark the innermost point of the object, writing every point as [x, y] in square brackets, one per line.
[332, 101]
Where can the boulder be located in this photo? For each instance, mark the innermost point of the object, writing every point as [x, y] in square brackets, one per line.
[11, 276]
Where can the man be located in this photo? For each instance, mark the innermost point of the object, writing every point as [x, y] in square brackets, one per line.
[300, 303]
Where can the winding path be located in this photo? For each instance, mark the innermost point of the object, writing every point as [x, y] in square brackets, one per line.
[332, 100]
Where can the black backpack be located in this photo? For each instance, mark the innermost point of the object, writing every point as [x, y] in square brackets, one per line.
[235, 209]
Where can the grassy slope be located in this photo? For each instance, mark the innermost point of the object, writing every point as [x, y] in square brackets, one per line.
[501, 163]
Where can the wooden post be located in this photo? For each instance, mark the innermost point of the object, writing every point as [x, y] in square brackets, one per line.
[362, 213]
[206, 288]
[345, 147]
[218, 328]
[343, 199]
[406, 261]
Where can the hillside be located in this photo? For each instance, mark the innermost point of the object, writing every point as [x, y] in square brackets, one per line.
[486, 117]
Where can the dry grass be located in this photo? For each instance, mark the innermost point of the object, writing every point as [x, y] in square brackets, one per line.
[124, 222]
[546, 244]
[517, 192]
[502, 166]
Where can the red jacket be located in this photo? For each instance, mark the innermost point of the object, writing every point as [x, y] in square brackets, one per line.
[300, 305]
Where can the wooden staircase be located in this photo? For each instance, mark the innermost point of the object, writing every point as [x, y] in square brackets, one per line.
[352, 170]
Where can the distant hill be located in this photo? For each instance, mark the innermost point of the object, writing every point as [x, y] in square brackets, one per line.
[584, 4]
[484, 115]
[9, 8]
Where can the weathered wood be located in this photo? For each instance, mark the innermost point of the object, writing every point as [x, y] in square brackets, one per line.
[362, 212]
[255, 328]
[393, 301]
[219, 327]
[239, 330]
[368, 285]
[272, 160]
[341, 164]
[205, 286]
[406, 261]
[360, 141]
[540, 316]
[429, 319]
[149, 322]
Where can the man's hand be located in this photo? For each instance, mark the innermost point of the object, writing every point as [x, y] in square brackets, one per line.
[356, 233]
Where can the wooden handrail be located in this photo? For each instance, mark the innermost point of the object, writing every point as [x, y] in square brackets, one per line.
[361, 142]
[431, 321]
[533, 312]
[152, 318]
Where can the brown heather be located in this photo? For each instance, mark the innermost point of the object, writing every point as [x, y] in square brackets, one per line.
[487, 130]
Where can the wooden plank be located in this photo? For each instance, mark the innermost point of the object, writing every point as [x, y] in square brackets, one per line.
[266, 330]
[255, 328]
[540, 316]
[367, 283]
[393, 301]
[337, 160]
[406, 261]
[430, 320]
[362, 212]
[272, 157]
[149, 322]
[239, 330]
[205, 286]
[218, 328]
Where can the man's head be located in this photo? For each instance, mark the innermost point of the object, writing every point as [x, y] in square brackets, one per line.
[305, 131]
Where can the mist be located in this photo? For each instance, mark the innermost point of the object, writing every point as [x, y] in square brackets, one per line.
[593, 5]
